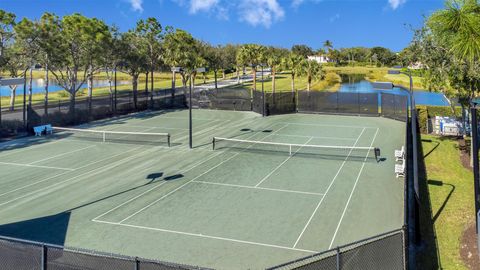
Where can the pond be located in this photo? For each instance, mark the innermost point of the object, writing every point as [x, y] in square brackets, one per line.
[38, 86]
[357, 83]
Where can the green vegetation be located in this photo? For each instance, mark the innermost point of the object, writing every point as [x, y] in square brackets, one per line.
[425, 112]
[449, 45]
[449, 194]
[283, 84]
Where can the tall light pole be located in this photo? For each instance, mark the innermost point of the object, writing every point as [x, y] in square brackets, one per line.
[263, 93]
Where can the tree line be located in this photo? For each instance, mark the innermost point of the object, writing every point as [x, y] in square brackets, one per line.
[73, 48]
[448, 47]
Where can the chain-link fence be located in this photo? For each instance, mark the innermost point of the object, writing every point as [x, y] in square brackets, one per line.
[22, 118]
[235, 99]
[338, 102]
[26, 255]
[384, 251]
[394, 106]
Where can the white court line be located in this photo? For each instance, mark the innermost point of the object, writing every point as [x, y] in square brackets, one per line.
[35, 166]
[325, 125]
[280, 165]
[186, 183]
[166, 195]
[147, 191]
[316, 137]
[94, 171]
[326, 192]
[351, 193]
[207, 236]
[260, 188]
[51, 177]
[197, 132]
[28, 146]
[63, 154]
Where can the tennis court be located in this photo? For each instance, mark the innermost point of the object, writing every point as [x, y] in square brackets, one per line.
[266, 194]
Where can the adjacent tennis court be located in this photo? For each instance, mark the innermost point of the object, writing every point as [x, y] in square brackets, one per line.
[263, 192]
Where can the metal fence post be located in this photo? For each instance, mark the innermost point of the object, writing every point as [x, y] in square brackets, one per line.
[44, 258]
[338, 258]
[476, 175]
[137, 262]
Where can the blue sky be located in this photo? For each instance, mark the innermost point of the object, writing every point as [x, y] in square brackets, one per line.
[270, 22]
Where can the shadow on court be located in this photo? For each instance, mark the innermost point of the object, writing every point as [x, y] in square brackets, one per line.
[53, 229]
[49, 229]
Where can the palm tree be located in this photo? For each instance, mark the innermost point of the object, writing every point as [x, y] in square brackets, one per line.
[328, 45]
[458, 28]
[273, 60]
[293, 63]
[312, 70]
[252, 55]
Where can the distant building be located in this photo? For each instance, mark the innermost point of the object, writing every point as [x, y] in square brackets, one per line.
[319, 58]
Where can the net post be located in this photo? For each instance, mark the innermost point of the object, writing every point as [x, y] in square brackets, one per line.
[290, 149]
[337, 258]
[213, 143]
[168, 140]
[376, 150]
[104, 135]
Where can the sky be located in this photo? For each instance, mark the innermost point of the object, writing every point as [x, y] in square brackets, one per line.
[281, 23]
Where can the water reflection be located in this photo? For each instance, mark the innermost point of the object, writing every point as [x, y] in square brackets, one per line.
[357, 83]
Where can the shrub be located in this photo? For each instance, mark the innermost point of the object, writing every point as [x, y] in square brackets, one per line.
[10, 127]
[422, 114]
[443, 111]
[332, 78]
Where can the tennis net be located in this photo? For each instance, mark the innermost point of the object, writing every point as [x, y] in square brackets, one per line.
[148, 138]
[293, 149]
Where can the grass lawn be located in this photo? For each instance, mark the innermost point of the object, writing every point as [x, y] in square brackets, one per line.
[54, 97]
[162, 81]
[283, 84]
[447, 204]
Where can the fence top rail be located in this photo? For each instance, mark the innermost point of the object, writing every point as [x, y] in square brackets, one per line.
[99, 253]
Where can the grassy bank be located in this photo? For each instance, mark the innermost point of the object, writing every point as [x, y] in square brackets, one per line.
[449, 195]
[283, 83]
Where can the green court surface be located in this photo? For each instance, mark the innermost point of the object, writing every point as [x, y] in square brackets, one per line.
[240, 206]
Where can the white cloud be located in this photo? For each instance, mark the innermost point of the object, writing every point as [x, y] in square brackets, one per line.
[136, 5]
[254, 12]
[202, 5]
[296, 3]
[261, 12]
[394, 4]
[334, 17]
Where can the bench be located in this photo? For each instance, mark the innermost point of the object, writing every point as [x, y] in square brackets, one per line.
[40, 129]
[400, 154]
[48, 129]
[400, 169]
